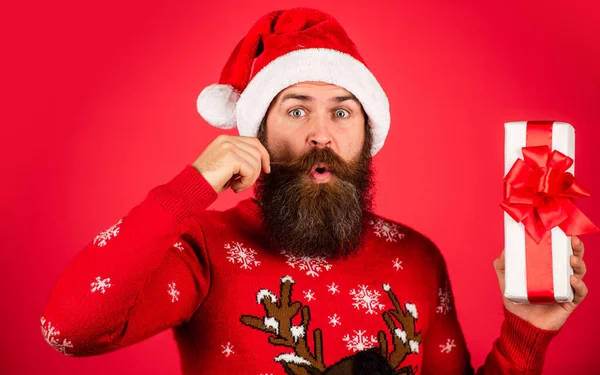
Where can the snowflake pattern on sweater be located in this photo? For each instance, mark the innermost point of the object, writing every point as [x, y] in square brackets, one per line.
[246, 257]
[387, 230]
[445, 299]
[313, 265]
[359, 340]
[103, 237]
[447, 347]
[366, 299]
[397, 264]
[51, 334]
[334, 320]
[227, 349]
[333, 288]
[173, 292]
[101, 284]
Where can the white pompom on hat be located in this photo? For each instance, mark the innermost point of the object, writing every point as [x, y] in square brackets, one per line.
[283, 48]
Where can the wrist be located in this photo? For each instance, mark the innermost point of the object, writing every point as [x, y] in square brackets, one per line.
[522, 343]
[188, 193]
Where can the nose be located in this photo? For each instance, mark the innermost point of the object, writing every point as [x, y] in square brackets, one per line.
[319, 135]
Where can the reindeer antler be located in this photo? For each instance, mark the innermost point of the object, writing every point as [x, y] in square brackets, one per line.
[406, 339]
[278, 321]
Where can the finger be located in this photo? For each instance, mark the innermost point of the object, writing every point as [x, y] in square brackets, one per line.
[250, 159]
[499, 267]
[245, 169]
[580, 289]
[249, 176]
[499, 264]
[265, 157]
[579, 267]
[256, 154]
[577, 246]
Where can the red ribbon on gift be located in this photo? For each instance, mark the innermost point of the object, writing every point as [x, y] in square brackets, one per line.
[538, 192]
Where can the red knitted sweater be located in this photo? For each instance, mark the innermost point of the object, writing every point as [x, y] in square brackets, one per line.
[237, 306]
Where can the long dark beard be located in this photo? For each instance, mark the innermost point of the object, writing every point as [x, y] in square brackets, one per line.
[304, 217]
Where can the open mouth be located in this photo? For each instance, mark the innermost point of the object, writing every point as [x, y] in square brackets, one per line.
[321, 173]
[320, 168]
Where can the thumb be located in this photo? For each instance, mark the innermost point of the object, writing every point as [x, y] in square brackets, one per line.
[499, 262]
[499, 266]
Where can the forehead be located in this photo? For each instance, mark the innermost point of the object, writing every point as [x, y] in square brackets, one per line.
[317, 89]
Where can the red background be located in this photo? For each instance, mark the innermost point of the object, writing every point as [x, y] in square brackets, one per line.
[100, 107]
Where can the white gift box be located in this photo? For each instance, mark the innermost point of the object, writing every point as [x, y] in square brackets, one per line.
[563, 140]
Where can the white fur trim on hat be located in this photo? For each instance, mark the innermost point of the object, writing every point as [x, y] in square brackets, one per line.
[216, 104]
[314, 64]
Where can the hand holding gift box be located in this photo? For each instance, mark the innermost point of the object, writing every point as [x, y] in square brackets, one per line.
[541, 224]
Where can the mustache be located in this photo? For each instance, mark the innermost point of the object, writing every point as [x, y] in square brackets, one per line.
[305, 164]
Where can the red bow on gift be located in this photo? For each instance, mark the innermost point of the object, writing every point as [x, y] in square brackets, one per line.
[538, 192]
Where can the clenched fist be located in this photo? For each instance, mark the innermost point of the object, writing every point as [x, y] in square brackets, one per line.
[233, 161]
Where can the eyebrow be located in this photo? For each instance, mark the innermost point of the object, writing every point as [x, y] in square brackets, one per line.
[307, 98]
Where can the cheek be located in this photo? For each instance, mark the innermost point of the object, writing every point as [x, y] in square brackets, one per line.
[285, 144]
[282, 147]
[354, 142]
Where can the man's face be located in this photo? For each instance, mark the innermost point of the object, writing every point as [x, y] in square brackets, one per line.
[314, 199]
[315, 115]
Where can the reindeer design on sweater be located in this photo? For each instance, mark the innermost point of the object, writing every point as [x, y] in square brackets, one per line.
[304, 361]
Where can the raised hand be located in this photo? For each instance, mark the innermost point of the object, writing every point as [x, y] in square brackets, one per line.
[233, 161]
[551, 316]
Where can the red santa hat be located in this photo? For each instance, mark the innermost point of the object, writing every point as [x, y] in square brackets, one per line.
[283, 48]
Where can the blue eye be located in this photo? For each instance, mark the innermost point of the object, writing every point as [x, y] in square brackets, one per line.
[343, 111]
[296, 112]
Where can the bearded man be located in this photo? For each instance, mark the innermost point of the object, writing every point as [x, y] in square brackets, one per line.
[303, 278]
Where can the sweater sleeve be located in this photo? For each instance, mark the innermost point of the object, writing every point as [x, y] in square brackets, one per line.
[146, 273]
[520, 348]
